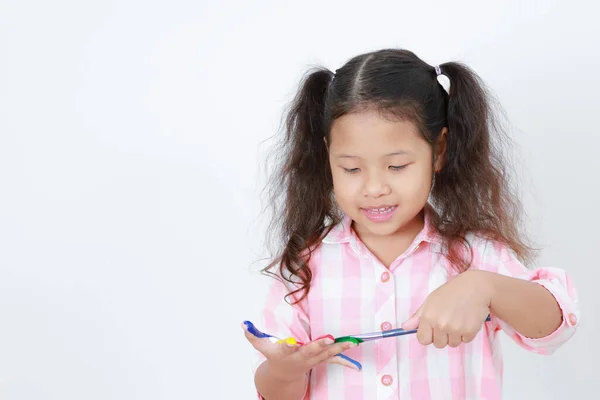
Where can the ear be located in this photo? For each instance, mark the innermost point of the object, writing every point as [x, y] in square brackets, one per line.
[326, 144]
[439, 151]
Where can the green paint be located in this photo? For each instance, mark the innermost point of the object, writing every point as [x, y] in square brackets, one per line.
[349, 339]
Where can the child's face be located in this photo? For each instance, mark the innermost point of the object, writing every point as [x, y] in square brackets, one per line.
[382, 171]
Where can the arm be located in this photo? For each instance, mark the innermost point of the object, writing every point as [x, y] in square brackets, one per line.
[537, 308]
[539, 318]
[273, 387]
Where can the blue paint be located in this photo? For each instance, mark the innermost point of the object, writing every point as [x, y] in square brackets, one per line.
[253, 330]
[352, 361]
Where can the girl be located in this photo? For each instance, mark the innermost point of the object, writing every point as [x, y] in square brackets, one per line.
[398, 212]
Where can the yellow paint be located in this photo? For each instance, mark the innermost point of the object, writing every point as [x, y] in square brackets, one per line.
[291, 341]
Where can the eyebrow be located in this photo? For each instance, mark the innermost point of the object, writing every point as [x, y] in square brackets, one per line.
[395, 153]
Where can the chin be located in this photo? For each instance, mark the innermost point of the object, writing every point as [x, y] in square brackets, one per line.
[381, 228]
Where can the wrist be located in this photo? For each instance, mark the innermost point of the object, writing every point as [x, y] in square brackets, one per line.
[488, 282]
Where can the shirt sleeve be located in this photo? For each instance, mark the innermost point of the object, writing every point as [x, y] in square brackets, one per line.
[501, 259]
[282, 319]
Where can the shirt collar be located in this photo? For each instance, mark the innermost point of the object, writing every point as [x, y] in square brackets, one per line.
[343, 232]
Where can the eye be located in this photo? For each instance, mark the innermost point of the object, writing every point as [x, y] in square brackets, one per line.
[351, 170]
[398, 167]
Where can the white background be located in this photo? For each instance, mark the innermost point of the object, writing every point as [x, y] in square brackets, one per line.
[131, 150]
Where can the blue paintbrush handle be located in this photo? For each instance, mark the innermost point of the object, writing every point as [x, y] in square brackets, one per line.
[400, 331]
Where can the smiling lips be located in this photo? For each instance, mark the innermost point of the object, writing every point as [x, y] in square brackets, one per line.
[379, 214]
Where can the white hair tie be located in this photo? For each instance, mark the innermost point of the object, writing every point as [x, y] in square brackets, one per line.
[442, 79]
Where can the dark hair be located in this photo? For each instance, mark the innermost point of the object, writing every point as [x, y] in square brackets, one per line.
[472, 192]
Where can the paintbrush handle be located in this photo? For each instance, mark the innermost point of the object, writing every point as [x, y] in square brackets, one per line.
[391, 333]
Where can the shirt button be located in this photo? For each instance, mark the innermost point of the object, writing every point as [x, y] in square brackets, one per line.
[387, 380]
[386, 326]
[573, 319]
[385, 277]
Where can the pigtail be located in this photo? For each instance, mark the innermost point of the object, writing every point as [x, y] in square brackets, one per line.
[473, 190]
[302, 185]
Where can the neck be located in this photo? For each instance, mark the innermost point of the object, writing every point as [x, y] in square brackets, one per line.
[388, 248]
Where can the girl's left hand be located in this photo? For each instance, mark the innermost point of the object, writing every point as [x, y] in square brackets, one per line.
[455, 312]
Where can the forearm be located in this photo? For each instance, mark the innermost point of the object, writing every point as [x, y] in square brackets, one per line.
[272, 387]
[527, 307]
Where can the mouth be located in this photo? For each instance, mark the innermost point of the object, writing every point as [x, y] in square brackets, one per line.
[379, 213]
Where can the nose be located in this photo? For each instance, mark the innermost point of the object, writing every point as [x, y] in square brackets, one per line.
[376, 185]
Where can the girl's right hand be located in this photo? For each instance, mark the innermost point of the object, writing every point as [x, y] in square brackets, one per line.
[291, 362]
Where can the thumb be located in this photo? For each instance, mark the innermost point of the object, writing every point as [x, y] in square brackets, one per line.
[413, 322]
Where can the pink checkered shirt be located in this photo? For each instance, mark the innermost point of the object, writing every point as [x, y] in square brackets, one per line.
[352, 292]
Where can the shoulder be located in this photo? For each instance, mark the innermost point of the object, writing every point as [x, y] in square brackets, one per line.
[326, 252]
[287, 278]
[487, 249]
[492, 255]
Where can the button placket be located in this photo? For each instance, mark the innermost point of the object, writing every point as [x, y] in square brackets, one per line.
[384, 320]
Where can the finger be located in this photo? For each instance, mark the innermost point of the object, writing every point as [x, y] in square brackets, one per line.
[285, 350]
[466, 338]
[413, 321]
[345, 361]
[255, 341]
[314, 348]
[425, 333]
[440, 339]
[266, 346]
[454, 340]
[331, 351]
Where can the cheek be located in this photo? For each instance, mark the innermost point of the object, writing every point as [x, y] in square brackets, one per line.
[345, 187]
[341, 185]
[415, 183]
